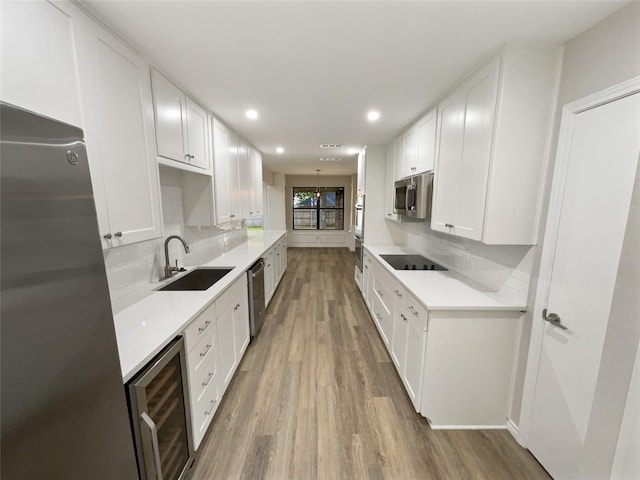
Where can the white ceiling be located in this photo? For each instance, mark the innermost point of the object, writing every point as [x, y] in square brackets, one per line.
[314, 68]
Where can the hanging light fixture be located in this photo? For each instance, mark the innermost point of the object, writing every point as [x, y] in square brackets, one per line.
[318, 187]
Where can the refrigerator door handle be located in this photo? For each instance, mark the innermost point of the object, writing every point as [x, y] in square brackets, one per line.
[151, 426]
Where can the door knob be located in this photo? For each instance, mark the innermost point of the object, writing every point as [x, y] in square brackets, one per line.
[553, 318]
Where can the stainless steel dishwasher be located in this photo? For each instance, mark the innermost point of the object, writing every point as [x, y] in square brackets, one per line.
[255, 276]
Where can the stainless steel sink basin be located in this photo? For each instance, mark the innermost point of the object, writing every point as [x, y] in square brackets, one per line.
[200, 278]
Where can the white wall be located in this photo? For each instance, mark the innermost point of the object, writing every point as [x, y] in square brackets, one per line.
[319, 238]
[375, 227]
[604, 55]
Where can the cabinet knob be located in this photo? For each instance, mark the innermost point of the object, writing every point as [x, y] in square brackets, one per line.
[107, 236]
[118, 234]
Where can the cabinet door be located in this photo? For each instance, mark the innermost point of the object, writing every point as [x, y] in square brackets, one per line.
[399, 340]
[220, 173]
[257, 179]
[39, 65]
[474, 168]
[409, 153]
[197, 134]
[233, 179]
[120, 141]
[414, 361]
[269, 268]
[426, 136]
[389, 191]
[170, 113]
[447, 176]
[226, 345]
[241, 323]
[245, 179]
[361, 172]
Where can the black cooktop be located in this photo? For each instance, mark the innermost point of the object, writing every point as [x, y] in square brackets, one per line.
[411, 262]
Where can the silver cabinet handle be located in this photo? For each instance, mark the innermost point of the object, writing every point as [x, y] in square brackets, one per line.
[397, 292]
[206, 382]
[151, 426]
[206, 351]
[204, 327]
[210, 409]
[107, 236]
[378, 316]
[403, 317]
[118, 234]
[380, 293]
[553, 319]
[412, 310]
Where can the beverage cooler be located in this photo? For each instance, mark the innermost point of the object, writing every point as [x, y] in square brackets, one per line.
[159, 402]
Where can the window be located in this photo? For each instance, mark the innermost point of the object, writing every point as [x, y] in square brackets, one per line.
[311, 212]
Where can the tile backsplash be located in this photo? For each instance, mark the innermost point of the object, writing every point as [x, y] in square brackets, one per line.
[133, 271]
[502, 268]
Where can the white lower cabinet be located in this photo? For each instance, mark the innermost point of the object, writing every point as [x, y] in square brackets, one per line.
[456, 366]
[233, 328]
[215, 342]
[201, 339]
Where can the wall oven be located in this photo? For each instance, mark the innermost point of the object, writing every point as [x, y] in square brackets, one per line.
[159, 403]
[413, 196]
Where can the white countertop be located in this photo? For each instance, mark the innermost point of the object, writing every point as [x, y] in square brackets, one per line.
[144, 328]
[445, 290]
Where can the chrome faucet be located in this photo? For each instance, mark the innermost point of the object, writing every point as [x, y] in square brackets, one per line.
[168, 269]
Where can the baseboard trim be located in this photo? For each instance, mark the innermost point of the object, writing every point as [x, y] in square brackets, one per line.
[513, 429]
[468, 427]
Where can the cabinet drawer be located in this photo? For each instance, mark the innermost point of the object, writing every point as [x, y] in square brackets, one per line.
[228, 298]
[203, 408]
[204, 349]
[418, 314]
[198, 328]
[204, 373]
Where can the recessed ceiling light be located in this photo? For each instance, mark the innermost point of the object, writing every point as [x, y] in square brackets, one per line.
[372, 116]
[280, 150]
[352, 151]
[251, 114]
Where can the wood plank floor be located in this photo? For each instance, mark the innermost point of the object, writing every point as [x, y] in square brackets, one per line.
[317, 397]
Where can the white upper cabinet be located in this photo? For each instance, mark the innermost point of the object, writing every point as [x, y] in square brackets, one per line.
[119, 132]
[233, 176]
[39, 59]
[257, 185]
[197, 132]
[220, 175]
[362, 159]
[246, 173]
[490, 148]
[426, 128]
[417, 154]
[389, 190]
[181, 126]
[466, 124]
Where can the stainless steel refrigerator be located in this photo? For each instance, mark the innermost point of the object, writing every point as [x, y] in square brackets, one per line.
[64, 411]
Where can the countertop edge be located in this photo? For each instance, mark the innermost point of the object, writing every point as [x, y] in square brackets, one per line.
[201, 301]
[496, 304]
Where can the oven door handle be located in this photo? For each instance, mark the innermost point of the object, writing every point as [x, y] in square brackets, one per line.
[145, 421]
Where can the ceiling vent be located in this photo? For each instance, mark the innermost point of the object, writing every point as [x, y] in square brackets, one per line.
[331, 145]
[330, 159]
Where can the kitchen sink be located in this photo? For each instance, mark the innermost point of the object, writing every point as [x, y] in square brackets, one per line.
[198, 279]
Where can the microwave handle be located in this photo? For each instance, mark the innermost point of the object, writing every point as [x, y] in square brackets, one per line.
[152, 429]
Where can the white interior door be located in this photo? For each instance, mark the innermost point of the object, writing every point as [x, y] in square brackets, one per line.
[602, 158]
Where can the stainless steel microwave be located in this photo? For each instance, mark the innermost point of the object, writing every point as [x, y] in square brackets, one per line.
[413, 196]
